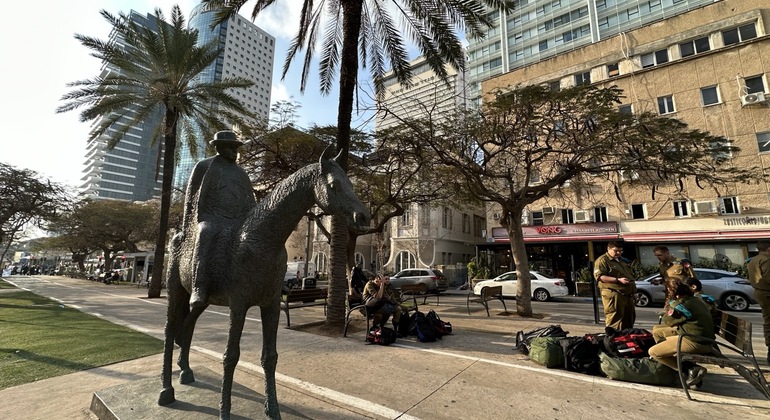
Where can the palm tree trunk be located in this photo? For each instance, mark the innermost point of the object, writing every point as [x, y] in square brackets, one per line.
[338, 284]
[169, 149]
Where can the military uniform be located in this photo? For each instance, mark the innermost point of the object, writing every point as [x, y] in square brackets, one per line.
[687, 315]
[675, 270]
[759, 276]
[386, 306]
[618, 299]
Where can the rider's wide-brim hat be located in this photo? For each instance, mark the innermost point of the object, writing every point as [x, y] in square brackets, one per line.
[226, 137]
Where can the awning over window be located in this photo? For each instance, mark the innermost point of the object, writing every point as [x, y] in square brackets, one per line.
[696, 236]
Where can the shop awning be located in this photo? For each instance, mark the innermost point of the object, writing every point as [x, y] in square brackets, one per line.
[696, 236]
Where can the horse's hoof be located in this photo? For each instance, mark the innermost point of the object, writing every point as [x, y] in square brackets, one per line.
[166, 396]
[186, 377]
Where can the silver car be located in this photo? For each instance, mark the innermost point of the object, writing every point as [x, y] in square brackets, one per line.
[434, 279]
[731, 292]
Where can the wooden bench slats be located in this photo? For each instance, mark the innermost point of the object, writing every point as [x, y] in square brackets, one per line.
[487, 293]
[299, 298]
[736, 332]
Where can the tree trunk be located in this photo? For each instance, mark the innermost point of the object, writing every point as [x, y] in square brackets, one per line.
[520, 259]
[169, 145]
[338, 283]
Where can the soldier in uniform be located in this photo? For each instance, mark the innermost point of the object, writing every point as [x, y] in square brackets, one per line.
[672, 269]
[382, 300]
[617, 285]
[219, 196]
[759, 276]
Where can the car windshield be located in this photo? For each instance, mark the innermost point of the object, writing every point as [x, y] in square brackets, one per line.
[438, 273]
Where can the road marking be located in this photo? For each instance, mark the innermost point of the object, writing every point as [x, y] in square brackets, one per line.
[324, 393]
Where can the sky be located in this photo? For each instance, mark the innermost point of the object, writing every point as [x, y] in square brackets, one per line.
[42, 56]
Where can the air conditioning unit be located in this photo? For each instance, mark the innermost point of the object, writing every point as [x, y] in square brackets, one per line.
[582, 216]
[628, 175]
[753, 98]
[549, 210]
[704, 207]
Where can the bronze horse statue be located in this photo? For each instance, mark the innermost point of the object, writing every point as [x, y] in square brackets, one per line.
[248, 271]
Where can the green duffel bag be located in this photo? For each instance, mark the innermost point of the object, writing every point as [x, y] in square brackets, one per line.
[641, 370]
[547, 351]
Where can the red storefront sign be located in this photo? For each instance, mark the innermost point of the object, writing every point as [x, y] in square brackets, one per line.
[606, 231]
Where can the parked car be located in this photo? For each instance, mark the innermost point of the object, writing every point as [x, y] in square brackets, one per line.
[731, 292]
[543, 287]
[434, 279]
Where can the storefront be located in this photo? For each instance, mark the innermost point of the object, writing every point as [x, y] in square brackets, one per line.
[554, 250]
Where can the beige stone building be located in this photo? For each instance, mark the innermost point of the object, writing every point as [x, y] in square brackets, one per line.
[707, 67]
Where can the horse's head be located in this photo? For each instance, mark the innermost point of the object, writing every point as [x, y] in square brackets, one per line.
[334, 195]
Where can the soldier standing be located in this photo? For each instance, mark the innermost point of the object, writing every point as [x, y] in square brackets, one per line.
[759, 276]
[617, 285]
[672, 269]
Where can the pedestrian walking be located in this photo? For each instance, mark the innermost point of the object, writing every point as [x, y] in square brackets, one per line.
[617, 284]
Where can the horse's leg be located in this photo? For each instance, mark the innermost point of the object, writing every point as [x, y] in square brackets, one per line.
[270, 316]
[178, 309]
[232, 355]
[184, 338]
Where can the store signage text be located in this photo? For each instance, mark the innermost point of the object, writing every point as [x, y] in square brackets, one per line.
[548, 230]
[740, 221]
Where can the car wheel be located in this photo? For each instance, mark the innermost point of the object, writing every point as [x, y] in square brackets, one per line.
[541, 295]
[643, 299]
[735, 302]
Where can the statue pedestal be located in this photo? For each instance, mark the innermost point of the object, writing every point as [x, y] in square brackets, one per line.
[198, 400]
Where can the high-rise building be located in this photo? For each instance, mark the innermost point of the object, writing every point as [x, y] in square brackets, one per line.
[247, 51]
[428, 94]
[538, 29]
[133, 169]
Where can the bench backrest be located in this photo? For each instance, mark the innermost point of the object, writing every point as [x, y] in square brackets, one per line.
[490, 291]
[413, 288]
[735, 331]
[299, 294]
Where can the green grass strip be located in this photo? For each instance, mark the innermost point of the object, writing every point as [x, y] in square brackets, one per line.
[40, 339]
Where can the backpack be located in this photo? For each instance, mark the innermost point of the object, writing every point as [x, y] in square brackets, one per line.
[640, 370]
[424, 328]
[442, 328]
[381, 335]
[547, 351]
[630, 342]
[581, 354]
[523, 339]
[405, 325]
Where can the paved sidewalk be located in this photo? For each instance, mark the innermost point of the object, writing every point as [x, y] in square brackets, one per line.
[472, 374]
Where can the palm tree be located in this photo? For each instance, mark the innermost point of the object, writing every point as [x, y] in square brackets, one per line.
[367, 31]
[154, 72]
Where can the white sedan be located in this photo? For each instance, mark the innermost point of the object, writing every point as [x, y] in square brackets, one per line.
[543, 287]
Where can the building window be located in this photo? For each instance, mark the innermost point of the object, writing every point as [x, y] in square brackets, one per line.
[665, 104]
[739, 34]
[406, 218]
[681, 208]
[625, 109]
[534, 177]
[763, 142]
[478, 226]
[537, 218]
[600, 214]
[404, 260]
[728, 205]
[567, 216]
[637, 211]
[466, 223]
[754, 84]
[583, 78]
[695, 46]
[709, 95]
[720, 150]
[613, 70]
[446, 220]
[543, 45]
[554, 86]
[654, 58]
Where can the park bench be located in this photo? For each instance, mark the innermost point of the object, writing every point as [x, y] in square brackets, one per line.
[419, 289]
[487, 293]
[735, 334]
[299, 298]
[407, 300]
